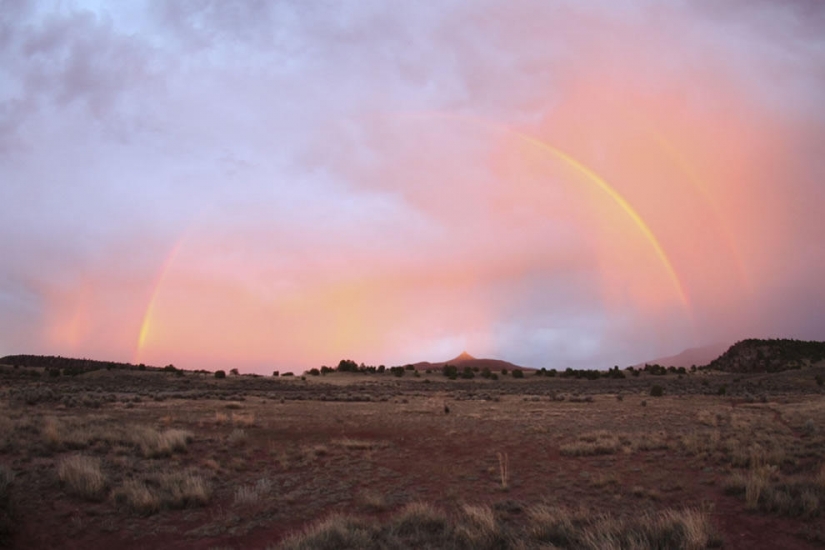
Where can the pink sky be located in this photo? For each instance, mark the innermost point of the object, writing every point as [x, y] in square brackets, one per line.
[272, 186]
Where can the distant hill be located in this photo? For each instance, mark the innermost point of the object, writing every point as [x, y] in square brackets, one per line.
[69, 364]
[755, 355]
[467, 360]
[692, 356]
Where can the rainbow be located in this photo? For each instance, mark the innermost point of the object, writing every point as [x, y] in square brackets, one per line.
[570, 162]
[146, 324]
[588, 175]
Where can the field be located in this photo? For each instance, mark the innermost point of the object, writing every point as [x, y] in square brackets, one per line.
[128, 460]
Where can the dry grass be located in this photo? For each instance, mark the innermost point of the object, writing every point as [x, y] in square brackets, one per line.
[138, 497]
[764, 489]
[696, 442]
[418, 521]
[82, 476]
[252, 494]
[155, 444]
[334, 533]
[477, 528]
[561, 527]
[593, 443]
[245, 420]
[183, 489]
[421, 526]
[80, 433]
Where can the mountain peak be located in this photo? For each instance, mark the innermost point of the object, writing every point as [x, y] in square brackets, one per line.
[463, 357]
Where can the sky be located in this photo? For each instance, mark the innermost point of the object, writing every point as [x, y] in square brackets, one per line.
[280, 185]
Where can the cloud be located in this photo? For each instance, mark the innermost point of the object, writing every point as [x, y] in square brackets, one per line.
[283, 183]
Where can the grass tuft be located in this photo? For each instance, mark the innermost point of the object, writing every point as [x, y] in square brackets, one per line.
[82, 476]
[138, 497]
[155, 444]
[252, 494]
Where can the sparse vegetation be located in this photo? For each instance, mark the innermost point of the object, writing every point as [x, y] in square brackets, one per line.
[422, 526]
[224, 458]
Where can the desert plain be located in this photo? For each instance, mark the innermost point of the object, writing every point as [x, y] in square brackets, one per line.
[134, 459]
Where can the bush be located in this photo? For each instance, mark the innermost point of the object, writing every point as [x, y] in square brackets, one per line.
[657, 391]
[819, 380]
[220, 374]
[518, 374]
[314, 372]
[722, 390]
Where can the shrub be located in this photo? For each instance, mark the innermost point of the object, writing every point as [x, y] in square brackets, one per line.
[234, 372]
[82, 476]
[275, 373]
[314, 372]
[657, 391]
[518, 374]
[722, 390]
[819, 380]
[220, 374]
